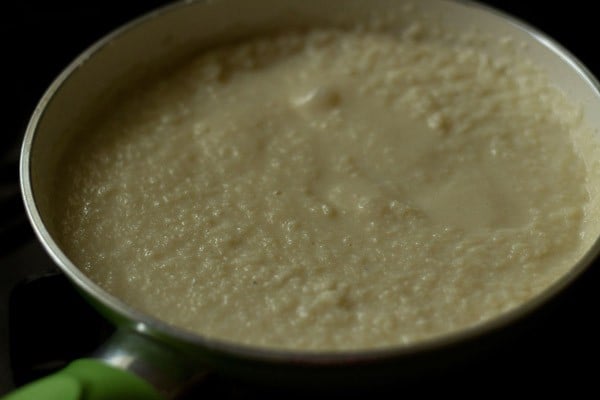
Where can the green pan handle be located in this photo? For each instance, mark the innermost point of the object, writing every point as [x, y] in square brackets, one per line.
[87, 379]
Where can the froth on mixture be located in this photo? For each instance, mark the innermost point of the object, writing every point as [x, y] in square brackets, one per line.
[330, 189]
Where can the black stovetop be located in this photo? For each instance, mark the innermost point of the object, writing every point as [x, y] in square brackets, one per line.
[44, 324]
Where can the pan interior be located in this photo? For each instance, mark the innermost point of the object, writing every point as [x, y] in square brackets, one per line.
[129, 55]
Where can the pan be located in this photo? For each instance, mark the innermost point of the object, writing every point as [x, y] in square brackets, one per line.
[148, 358]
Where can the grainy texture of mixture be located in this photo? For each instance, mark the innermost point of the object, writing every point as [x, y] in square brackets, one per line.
[330, 190]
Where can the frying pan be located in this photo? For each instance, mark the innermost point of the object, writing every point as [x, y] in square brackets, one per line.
[147, 358]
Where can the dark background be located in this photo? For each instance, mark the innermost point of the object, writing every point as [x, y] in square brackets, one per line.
[40, 38]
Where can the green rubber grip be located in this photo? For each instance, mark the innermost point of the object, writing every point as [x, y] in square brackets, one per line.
[87, 379]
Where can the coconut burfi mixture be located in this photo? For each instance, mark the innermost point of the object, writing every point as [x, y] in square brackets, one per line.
[330, 189]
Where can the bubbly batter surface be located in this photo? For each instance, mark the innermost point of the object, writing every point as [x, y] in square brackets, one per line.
[330, 189]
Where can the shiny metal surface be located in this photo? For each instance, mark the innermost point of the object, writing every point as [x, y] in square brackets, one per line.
[134, 351]
[179, 28]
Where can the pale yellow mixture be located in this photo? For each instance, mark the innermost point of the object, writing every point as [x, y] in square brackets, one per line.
[330, 189]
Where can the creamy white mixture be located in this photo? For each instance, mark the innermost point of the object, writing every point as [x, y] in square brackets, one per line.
[330, 190]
